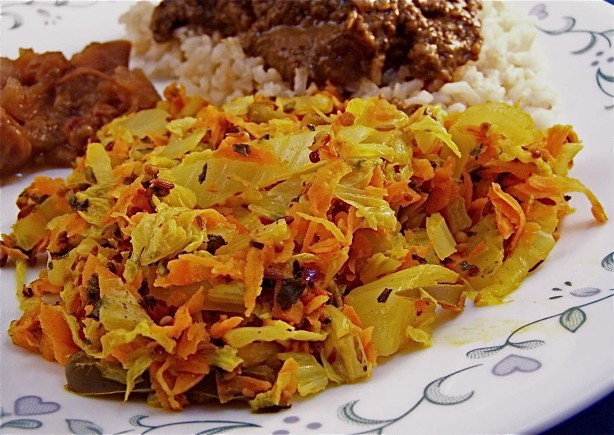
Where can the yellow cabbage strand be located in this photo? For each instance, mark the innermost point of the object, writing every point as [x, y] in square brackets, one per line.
[274, 245]
[379, 304]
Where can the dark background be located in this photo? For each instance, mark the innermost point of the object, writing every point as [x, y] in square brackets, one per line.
[598, 419]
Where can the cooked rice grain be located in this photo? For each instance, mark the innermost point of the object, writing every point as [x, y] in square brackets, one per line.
[509, 68]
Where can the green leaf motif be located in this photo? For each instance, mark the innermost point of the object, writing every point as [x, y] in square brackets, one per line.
[572, 319]
[22, 423]
[223, 429]
[136, 420]
[433, 394]
[570, 23]
[202, 427]
[483, 352]
[608, 262]
[346, 412]
[589, 46]
[529, 344]
[83, 427]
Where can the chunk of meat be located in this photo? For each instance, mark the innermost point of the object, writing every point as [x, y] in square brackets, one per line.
[295, 48]
[51, 107]
[338, 40]
[229, 17]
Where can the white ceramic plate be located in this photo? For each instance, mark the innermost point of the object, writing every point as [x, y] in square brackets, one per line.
[519, 367]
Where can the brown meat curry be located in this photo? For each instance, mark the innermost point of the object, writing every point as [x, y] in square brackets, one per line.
[51, 106]
[338, 40]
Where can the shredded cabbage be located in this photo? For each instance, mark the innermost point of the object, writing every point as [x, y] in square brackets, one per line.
[274, 245]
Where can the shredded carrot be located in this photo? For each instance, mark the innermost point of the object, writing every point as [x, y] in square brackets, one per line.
[262, 260]
[189, 268]
[221, 327]
[443, 187]
[557, 136]
[320, 194]
[349, 311]
[477, 250]
[378, 178]
[42, 286]
[123, 352]
[510, 216]
[191, 339]
[241, 148]
[25, 331]
[293, 315]
[476, 208]
[423, 169]
[58, 332]
[309, 235]
[162, 383]
[400, 193]
[315, 303]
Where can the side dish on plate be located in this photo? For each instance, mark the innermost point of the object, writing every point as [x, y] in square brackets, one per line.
[337, 41]
[263, 246]
[51, 107]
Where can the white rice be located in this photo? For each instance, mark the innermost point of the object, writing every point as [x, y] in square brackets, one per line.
[509, 69]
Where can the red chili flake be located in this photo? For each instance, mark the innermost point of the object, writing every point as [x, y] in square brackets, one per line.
[346, 119]
[22, 200]
[26, 210]
[150, 169]
[160, 188]
[32, 261]
[547, 201]
[274, 274]
[144, 288]
[27, 292]
[314, 156]
[3, 256]
[129, 179]
[162, 184]
[385, 128]
[471, 269]
[265, 220]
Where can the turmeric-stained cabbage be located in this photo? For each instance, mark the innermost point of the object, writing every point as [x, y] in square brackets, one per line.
[274, 246]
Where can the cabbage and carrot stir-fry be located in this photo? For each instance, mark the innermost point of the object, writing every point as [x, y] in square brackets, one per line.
[274, 246]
